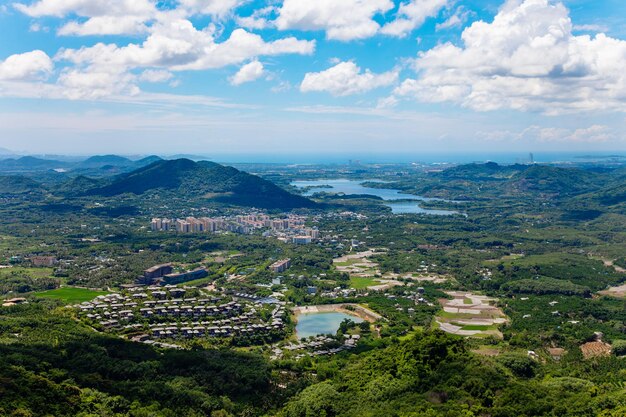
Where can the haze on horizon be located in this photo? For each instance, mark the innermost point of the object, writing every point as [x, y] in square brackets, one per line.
[222, 77]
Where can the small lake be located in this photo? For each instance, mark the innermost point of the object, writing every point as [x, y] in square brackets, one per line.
[389, 195]
[313, 324]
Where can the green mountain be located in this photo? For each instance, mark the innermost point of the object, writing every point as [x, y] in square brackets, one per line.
[203, 179]
[16, 184]
[99, 161]
[30, 163]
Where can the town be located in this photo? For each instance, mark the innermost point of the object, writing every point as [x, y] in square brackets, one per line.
[288, 229]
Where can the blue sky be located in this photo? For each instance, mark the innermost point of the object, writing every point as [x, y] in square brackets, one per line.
[296, 77]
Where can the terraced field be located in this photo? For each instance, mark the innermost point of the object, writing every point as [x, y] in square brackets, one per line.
[468, 314]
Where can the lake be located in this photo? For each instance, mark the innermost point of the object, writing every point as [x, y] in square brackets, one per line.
[313, 324]
[389, 195]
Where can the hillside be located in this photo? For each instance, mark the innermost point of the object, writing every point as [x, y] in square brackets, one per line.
[30, 163]
[98, 161]
[15, 184]
[198, 179]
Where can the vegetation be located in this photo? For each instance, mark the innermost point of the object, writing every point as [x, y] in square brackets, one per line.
[538, 239]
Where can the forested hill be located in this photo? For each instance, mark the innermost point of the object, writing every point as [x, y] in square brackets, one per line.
[189, 178]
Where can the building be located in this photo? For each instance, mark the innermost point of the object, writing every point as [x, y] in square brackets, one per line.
[153, 273]
[156, 225]
[280, 266]
[301, 240]
[183, 226]
[185, 276]
[43, 260]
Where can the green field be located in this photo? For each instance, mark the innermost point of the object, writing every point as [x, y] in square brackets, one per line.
[479, 327]
[70, 295]
[31, 272]
[360, 283]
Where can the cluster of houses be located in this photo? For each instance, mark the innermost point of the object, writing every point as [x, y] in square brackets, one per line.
[339, 292]
[245, 324]
[289, 229]
[319, 346]
[165, 317]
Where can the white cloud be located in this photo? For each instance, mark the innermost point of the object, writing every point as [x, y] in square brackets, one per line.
[104, 17]
[345, 79]
[219, 8]
[106, 25]
[87, 8]
[412, 15]
[247, 73]
[526, 59]
[174, 44]
[27, 66]
[156, 76]
[457, 19]
[591, 28]
[542, 134]
[342, 20]
[178, 45]
[259, 19]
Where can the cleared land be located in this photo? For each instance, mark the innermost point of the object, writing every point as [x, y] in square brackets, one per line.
[363, 272]
[617, 292]
[468, 314]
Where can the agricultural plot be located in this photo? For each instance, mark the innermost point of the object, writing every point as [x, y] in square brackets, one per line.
[468, 314]
[365, 273]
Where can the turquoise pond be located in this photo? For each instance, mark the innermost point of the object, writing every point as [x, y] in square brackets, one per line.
[313, 324]
[399, 202]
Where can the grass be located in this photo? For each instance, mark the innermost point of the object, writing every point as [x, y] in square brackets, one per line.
[467, 301]
[447, 315]
[349, 262]
[70, 294]
[479, 327]
[360, 283]
[31, 272]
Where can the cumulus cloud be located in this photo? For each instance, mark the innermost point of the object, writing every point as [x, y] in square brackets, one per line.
[156, 76]
[346, 78]
[27, 66]
[343, 20]
[87, 8]
[259, 19]
[178, 45]
[412, 15]
[219, 8]
[457, 19]
[526, 59]
[104, 17]
[173, 45]
[250, 72]
[105, 25]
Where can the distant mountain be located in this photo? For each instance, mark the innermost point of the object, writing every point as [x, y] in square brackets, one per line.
[30, 163]
[147, 161]
[488, 171]
[189, 156]
[99, 161]
[518, 178]
[554, 180]
[203, 179]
